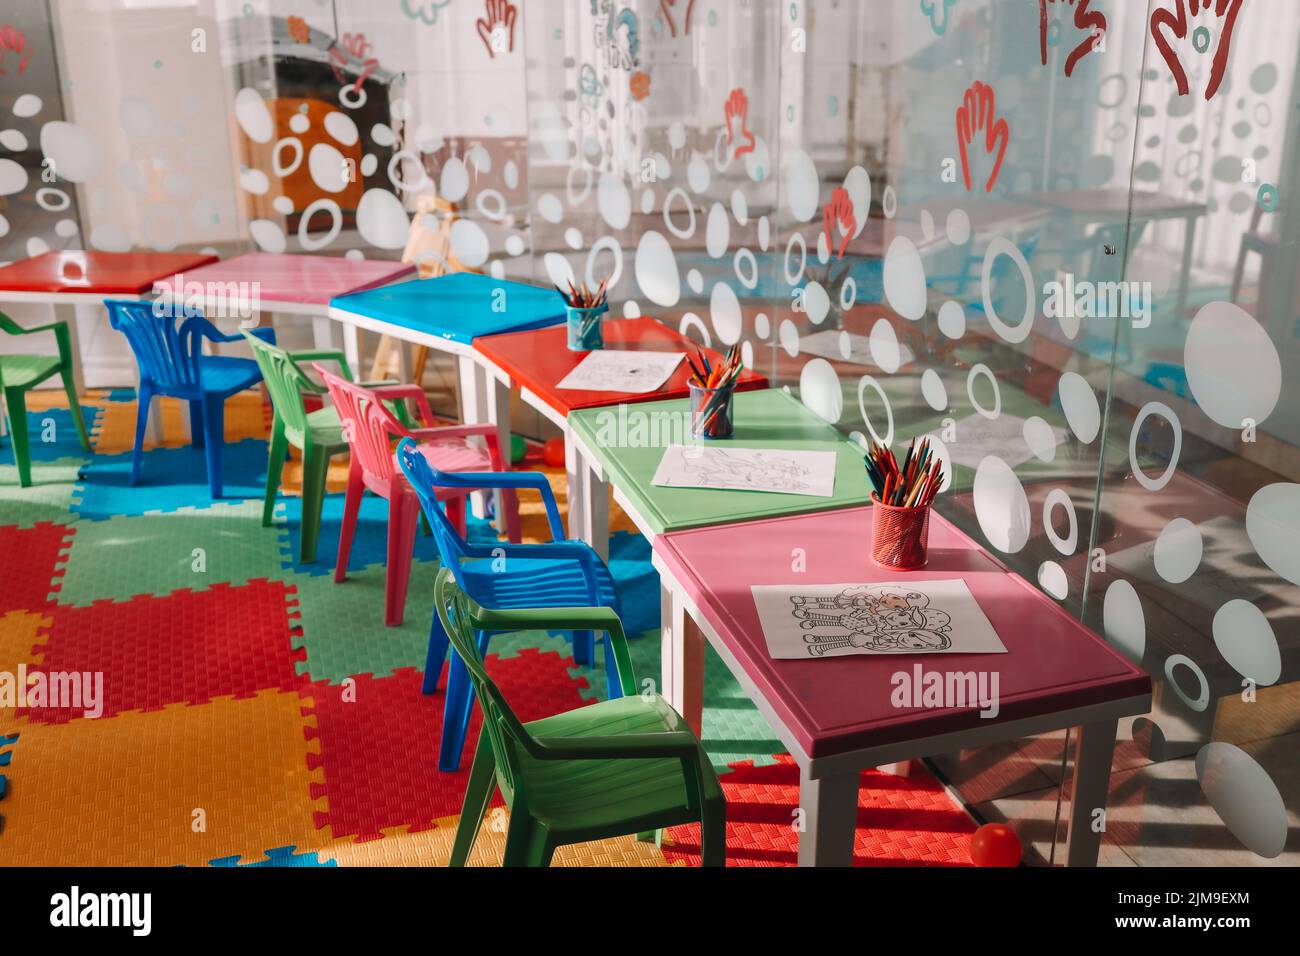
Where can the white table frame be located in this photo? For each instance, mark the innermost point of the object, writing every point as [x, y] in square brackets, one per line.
[828, 786]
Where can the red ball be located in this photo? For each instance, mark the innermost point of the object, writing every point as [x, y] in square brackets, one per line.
[995, 844]
[553, 452]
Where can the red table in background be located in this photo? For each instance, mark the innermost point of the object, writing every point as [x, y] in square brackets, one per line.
[71, 278]
[537, 360]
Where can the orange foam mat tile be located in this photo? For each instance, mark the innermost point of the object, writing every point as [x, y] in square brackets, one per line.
[19, 632]
[183, 785]
[433, 848]
[247, 416]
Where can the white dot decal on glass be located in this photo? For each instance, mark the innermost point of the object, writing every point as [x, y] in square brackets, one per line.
[28, 104]
[1167, 413]
[36, 246]
[13, 177]
[1273, 526]
[656, 272]
[844, 343]
[717, 231]
[454, 181]
[515, 245]
[819, 390]
[510, 173]
[958, 227]
[282, 204]
[1247, 642]
[952, 319]
[762, 325]
[549, 207]
[382, 135]
[676, 134]
[1201, 700]
[13, 139]
[823, 248]
[325, 163]
[1079, 402]
[764, 233]
[631, 309]
[858, 185]
[614, 201]
[1040, 438]
[342, 128]
[927, 224]
[1011, 333]
[933, 390]
[1244, 796]
[573, 238]
[980, 370]
[695, 281]
[817, 302]
[479, 158]
[299, 123]
[1232, 365]
[1178, 550]
[1001, 506]
[739, 207]
[1059, 498]
[558, 269]
[647, 201]
[759, 161]
[1123, 622]
[697, 175]
[1052, 579]
[369, 163]
[64, 228]
[268, 235]
[253, 116]
[883, 343]
[74, 152]
[788, 334]
[904, 277]
[724, 310]
[801, 186]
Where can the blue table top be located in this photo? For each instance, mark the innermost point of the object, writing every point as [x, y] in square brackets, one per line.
[459, 306]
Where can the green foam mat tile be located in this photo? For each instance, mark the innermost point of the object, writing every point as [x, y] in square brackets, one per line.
[195, 548]
[341, 626]
[48, 499]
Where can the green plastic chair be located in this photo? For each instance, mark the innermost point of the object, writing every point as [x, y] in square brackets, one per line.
[19, 374]
[620, 766]
[317, 434]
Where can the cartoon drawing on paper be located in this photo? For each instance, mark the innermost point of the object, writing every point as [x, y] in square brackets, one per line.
[754, 469]
[872, 617]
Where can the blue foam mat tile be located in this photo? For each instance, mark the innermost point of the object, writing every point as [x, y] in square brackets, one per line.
[170, 479]
[281, 856]
[635, 580]
[53, 436]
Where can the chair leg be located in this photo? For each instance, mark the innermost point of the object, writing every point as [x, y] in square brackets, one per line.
[274, 468]
[478, 794]
[143, 399]
[713, 833]
[16, 406]
[197, 436]
[435, 656]
[351, 505]
[456, 710]
[315, 463]
[401, 544]
[584, 648]
[540, 847]
[214, 418]
[74, 407]
[456, 513]
[613, 689]
[520, 837]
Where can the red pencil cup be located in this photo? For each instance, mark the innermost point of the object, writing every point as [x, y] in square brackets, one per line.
[899, 535]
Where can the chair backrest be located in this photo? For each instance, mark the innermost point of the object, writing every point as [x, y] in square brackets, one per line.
[459, 615]
[368, 425]
[284, 381]
[424, 478]
[168, 354]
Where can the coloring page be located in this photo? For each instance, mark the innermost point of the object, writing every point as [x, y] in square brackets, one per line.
[633, 372]
[1004, 436]
[826, 343]
[748, 469]
[831, 620]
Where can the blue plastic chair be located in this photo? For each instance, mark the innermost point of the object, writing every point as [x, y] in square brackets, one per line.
[502, 576]
[172, 364]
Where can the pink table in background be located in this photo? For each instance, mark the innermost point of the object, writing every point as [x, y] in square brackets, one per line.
[835, 714]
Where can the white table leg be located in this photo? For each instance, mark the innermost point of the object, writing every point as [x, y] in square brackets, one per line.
[322, 331]
[472, 385]
[497, 396]
[1189, 240]
[574, 466]
[830, 815]
[69, 313]
[682, 659]
[352, 349]
[1093, 749]
[595, 509]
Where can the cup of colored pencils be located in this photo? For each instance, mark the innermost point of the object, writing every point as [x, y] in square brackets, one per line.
[901, 499]
[713, 385]
[585, 308]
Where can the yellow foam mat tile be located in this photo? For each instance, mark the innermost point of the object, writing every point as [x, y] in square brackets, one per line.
[433, 848]
[245, 418]
[43, 399]
[127, 790]
[19, 631]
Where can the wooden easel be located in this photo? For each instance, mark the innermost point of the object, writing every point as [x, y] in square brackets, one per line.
[428, 248]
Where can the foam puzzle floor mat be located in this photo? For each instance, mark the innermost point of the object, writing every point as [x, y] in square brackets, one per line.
[225, 704]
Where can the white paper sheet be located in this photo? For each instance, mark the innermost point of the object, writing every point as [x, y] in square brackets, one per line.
[748, 469]
[828, 344]
[1003, 436]
[612, 371]
[833, 620]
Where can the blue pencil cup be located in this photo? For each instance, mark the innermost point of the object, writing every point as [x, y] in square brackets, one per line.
[584, 328]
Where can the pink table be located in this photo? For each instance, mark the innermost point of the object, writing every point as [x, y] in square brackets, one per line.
[836, 716]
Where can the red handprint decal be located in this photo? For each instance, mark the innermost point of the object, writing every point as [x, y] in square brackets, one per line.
[13, 40]
[976, 113]
[738, 108]
[839, 209]
[666, 8]
[499, 25]
[1091, 22]
[1177, 20]
[355, 46]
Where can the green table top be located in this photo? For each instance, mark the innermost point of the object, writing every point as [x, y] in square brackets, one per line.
[627, 443]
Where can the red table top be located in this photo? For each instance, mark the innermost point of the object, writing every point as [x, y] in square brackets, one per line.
[305, 280]
[538, 359]
[75, 270]
[841, 704]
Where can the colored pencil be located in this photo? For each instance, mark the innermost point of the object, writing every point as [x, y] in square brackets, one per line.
[913, 484]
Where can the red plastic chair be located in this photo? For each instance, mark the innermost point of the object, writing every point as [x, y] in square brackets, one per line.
[370, 428]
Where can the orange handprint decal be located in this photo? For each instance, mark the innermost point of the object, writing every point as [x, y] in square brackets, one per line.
[498, 30]
[839, 209]
[1177, 21]
[738, 108]
[13, 40]
[977, 112]
[1091, 22]
[666, 8]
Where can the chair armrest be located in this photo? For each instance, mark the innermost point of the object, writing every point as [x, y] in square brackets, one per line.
[511, 479]
[597, 617]
[413, 391]
[667, 743]
[316, 355]
[62, 334]
[213, 334]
